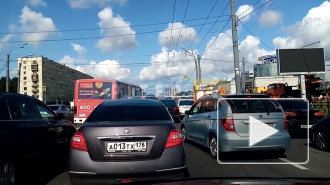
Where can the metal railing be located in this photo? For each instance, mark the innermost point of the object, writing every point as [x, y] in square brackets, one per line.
[322, 105]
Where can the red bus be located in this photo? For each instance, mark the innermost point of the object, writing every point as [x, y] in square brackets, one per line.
[89, 93]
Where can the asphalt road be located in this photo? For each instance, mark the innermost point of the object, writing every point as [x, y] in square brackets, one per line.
[200, 164]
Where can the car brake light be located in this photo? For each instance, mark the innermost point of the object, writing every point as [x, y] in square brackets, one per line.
[285, 124]
[248, 96]
[291, 114]
[78, 142]
[176, 108]
[320, 113]
[174, 139]
[228, 124]
[126, 181]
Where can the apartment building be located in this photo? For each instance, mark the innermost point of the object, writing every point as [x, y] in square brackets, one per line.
[38, 72]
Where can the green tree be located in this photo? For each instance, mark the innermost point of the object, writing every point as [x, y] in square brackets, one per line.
[12, 84]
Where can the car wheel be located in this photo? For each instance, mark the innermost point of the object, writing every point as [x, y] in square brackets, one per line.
[213, 147]
[8, 173]
[321, 139]
[184, 134]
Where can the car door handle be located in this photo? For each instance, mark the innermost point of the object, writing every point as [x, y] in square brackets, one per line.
[195, 117]
[208, 116]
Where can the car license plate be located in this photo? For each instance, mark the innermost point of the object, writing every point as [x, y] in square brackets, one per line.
[305, 126]
[118, 147]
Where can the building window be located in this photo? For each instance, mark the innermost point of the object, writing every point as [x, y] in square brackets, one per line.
[25, 88]
[24, 62]
[24, 83]
[24, 67]
[24, 72]
[25, 93]
[34, 62]
[24, 78]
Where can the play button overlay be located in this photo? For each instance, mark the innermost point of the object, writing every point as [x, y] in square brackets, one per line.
[259, 131]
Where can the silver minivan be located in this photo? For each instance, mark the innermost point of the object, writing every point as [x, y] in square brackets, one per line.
[200, 123]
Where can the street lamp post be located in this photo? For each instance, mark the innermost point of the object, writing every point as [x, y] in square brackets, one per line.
[8, 59]
[197, 65]
[19, 72]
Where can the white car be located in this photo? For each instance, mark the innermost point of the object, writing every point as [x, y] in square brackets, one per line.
[184, 105]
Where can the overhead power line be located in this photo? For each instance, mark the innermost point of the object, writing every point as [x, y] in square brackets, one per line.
[249, 8]
[169, 45]
[256, 9]
[184, 17]
[213, 25]
[98, 37]
[203, 24]
[258, 18]
[254, 35]
[104, 28]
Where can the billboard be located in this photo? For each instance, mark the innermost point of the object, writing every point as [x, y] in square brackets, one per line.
[300, 61]
[94, 90]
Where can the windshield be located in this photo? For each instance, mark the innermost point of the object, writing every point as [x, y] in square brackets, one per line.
[129, 113]
[295, 104]
[168, 103]
[186, 102]
[172, 60]
[53, 107]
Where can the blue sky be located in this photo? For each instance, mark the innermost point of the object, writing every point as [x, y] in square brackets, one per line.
[140, 55]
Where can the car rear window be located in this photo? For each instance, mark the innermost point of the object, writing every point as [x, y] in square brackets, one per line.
[168, 103]
[186, 102]
[294, 104]
[54, 107]
[253, 106]
[129, 113]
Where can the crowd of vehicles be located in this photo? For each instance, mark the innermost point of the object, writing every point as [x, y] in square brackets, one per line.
[134, 132]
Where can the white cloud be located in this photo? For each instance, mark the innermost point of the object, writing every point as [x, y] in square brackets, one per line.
[36, 3]
[164, 65]
[314, 27]
[5, 39]
[68, 60]
[119, 42]
[270, 18]
[79, 49]
[88, 3]
[244, 10]
[109, 69]
[221, 51]
[31, 21]
[187, 34]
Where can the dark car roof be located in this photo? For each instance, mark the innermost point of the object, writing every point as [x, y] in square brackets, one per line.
[133, 101]
[18, 95]
[245, 95]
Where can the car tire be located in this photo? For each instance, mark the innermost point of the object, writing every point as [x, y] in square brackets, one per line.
[9, 171]
[321, 139]
[184, 134]
[213, 147]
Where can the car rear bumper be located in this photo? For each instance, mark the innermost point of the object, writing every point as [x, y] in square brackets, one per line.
[78, 178]
[233, 142]
[80, 164]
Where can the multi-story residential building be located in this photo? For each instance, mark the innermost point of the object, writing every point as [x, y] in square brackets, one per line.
[58, 81]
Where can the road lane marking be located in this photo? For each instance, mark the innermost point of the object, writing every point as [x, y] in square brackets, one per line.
[293, 164]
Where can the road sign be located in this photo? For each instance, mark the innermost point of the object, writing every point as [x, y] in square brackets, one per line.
[185, 77]
[44, 88]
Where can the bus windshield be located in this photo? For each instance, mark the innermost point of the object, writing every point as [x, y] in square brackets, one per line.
[95, 90]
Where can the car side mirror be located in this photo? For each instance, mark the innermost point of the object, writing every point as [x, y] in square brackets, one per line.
[60, 116]
[187, 112]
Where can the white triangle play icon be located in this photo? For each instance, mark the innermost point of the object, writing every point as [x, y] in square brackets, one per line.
[259, 131]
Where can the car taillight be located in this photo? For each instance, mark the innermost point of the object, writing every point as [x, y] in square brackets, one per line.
[78, 142]
[285, 124]
[320, 113]
[228, 124]
[291, 114]
[174, 139]
[176, 108]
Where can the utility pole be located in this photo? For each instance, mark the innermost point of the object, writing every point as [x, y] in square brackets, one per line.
[235, 47]
[7, 74]
[243, 77]
[199, 70]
